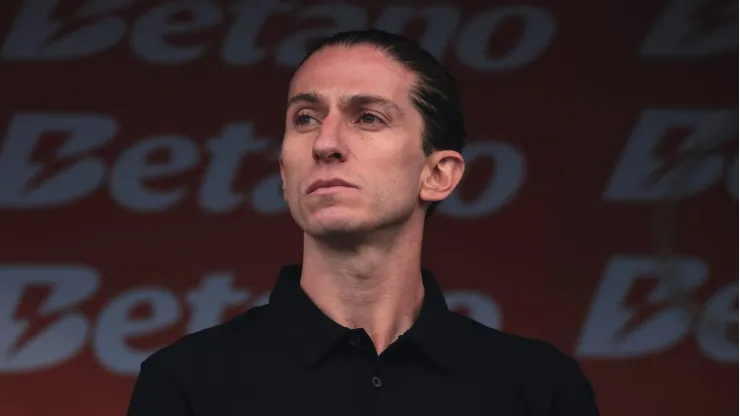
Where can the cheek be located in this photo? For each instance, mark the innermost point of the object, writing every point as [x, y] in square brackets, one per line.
[292, 174]
[399, 179]
[294, 149]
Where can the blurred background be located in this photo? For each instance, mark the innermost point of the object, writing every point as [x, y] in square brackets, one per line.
[139, 185]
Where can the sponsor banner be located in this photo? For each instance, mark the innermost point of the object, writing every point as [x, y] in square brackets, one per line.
[140, 200]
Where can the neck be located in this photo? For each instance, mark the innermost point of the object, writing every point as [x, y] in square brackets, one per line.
[375, 285]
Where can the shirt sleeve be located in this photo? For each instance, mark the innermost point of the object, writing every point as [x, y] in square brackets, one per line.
[574, 396]
[156, 393]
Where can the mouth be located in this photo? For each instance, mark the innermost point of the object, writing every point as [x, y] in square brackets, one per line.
[328, 185]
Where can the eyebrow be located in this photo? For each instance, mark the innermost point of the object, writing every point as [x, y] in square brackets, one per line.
[346, 100]
[305, 97]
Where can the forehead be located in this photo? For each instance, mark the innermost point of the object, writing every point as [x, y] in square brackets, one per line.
[339, 70]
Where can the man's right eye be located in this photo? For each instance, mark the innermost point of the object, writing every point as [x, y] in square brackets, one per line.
[303, 120]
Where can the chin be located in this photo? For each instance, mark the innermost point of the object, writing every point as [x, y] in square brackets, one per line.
[327, 224]
[330, 226]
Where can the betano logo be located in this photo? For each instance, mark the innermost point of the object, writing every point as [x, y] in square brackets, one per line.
[75, 171]
[40, 34]
[637, 312]
[55, 330]
[47, 31]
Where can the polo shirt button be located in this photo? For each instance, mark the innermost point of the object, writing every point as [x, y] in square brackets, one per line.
[377, 382]
[354, 340]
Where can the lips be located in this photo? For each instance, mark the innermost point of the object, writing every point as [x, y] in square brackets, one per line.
[327, 183]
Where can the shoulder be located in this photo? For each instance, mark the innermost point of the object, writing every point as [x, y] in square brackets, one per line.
[212, 345]
[515, 349]
[545, 375]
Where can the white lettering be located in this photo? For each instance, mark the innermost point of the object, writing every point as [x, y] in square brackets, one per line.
[24, 185]
[474, 38]
[115, 325]
[60, 340]
[36, 35]
[679, 31]
[240, 46]
[209, 301]
[604, 333]
[29, 39]
[149, 31]
[479, 307]
[635, 179]
[267, 196]
[343, 16]
[264, 299]
[504, 183]
[720, 315]
[85, 133]
[134, 166]
[229, 151]
[72, 285]
[441, 24]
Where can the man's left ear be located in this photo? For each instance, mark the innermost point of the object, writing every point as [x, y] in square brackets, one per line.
[443, 172]
[282, 177]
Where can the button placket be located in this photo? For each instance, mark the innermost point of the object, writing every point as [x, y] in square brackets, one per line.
[376, 380]
[354, 339]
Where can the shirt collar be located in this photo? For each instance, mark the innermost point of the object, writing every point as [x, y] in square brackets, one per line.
[308, 331]
[311, 334]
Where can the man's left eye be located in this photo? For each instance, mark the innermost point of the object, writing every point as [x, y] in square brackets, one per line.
[368, 118]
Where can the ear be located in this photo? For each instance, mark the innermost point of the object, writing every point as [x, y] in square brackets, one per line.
[443, 172]
[282, 177]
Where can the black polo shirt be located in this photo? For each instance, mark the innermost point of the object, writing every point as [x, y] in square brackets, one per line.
[288, 358]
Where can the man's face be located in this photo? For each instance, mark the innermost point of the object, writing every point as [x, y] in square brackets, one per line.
[351, 124]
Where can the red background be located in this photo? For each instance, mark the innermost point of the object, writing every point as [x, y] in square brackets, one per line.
[541, 258]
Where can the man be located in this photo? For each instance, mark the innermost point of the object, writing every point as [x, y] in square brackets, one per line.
[372, 142]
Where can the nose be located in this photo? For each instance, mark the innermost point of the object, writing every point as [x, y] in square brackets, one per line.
[329, 145]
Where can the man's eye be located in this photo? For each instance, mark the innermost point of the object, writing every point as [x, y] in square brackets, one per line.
[303, 120]
[368, 118]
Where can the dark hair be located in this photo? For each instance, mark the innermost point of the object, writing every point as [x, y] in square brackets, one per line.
[435, 95]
